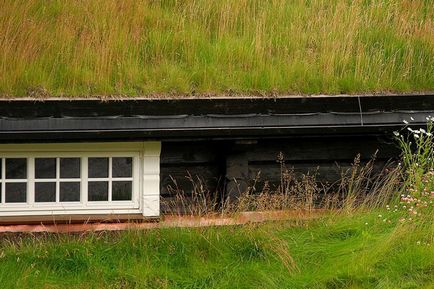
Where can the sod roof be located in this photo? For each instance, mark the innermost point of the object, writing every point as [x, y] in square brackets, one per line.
[171, 48]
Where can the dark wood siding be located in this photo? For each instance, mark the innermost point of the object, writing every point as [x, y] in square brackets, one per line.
[326, 155]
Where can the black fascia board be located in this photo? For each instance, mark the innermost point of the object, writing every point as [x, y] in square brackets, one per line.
[30, 120]
[58, 108]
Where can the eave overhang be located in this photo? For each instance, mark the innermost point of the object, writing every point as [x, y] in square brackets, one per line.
[174, 119]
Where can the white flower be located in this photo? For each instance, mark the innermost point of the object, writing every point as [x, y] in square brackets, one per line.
[410, 129]
[416, 135]
[429, 134]
[411, 118]
[404, 121]
[396, 133]
[422, 130]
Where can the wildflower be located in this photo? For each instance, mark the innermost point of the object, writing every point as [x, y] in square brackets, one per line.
[404, 121]
[416, 135]
[422, 130]
[410, 129]
[380, 216]
[418, 242]
[396, 133]
[411, 118]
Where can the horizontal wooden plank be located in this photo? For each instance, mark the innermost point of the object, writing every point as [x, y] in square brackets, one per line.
[207, 174]
[332, 149]
[189, 152]
[325, 172]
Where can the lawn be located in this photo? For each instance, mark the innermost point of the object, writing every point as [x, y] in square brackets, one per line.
[351, 250]
[207, 47]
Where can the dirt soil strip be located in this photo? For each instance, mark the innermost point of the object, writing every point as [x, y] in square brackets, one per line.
[169, 221]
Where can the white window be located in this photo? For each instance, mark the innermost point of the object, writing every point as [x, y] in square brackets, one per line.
[106, 178]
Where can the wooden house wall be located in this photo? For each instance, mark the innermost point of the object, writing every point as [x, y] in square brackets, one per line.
[211, 160]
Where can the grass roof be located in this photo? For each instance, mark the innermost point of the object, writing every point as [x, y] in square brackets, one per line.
[253, 47]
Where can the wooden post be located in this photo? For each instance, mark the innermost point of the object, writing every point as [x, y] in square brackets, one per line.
[237, 169]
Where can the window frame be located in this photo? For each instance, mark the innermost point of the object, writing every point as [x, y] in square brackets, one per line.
[84, 203]
[145, 178]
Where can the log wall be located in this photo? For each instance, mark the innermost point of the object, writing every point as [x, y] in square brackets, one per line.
[218, 162]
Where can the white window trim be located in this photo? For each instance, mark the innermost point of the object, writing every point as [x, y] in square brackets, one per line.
[146, 179]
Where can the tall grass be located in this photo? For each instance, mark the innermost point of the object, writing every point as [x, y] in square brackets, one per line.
[169, 47]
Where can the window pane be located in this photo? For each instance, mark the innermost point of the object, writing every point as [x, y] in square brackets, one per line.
[70, 191]
[45, 168]
[122, 167]
[1, 168]
[98, 167]
[16, 192]
[45, 192]
[16, 168]
[98, 191]
[70, 168]
[121, 191]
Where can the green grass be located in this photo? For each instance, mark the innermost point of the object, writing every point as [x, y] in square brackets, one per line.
[154, 48]
[332, 252]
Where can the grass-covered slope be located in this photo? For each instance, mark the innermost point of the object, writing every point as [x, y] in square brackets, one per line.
[347, 251]
[132, 47]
